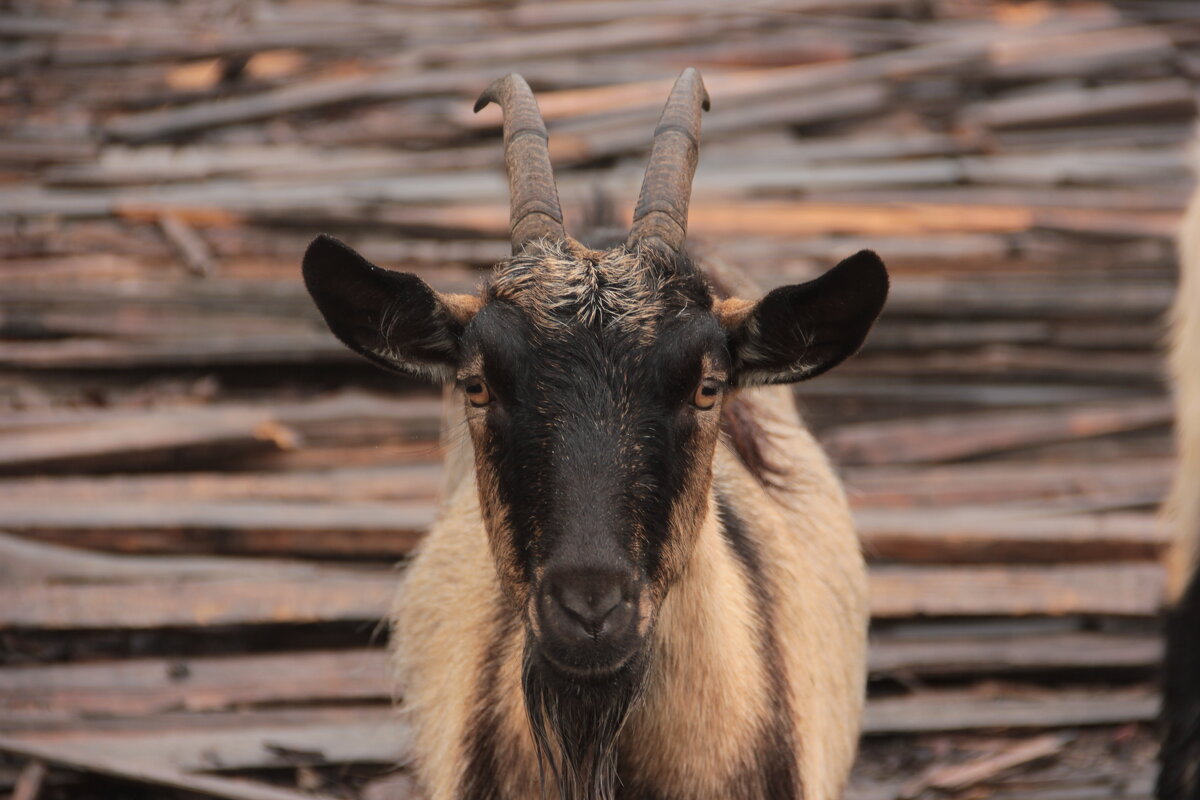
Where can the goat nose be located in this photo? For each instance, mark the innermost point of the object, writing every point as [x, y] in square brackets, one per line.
[589, 602]
[579, 606]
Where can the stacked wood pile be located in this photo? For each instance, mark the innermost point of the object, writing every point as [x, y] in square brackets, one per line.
[202, 495]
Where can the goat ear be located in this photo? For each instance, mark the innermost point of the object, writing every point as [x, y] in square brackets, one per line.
[797, 332]
[392, 318]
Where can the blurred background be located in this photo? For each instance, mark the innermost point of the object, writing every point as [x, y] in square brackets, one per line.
[203, 495]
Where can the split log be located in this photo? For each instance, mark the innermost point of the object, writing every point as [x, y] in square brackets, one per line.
[1009, 653]
[1000, 483]
[386, 483]
[149, 686]
[1120, 102]
[360, 531]
[148, 443]
[949, 438]
[980, 534]
[910, 591]
[330, 597]
[958, 711]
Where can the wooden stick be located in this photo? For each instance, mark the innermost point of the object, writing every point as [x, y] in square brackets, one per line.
[187, 242]
[29, 782]
[956, 777]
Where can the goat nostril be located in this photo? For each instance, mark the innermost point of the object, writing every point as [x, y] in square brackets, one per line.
[586, 604]
[590, 607]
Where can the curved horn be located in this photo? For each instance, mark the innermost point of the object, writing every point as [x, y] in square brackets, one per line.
[663, 203]
[534, 210]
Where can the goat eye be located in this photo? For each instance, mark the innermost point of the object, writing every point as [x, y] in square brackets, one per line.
[477, 392]
[706, 394]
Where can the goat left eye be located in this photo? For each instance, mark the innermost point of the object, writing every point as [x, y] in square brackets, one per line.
[706, 394]
[477, 392]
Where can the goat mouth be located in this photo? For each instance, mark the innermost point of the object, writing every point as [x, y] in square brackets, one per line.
[592, 668]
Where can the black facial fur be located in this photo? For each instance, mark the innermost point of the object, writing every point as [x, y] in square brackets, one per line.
[590, 431]
[591, 436]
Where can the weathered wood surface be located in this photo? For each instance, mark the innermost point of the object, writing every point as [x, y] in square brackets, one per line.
[173, 411]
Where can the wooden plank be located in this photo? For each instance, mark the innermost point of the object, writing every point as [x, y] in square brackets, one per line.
[378, 736]
[911, 591]
[157, 685]
[1078, 54]
[176, 526]
[1171, 97]
[328, 597]
[930, 712]
[147, 443]
[996, 483]
[302, 347]
[24, 562]
[950, 438]
[419, 413]
[981, 534]
[967, 655]
[384, 483]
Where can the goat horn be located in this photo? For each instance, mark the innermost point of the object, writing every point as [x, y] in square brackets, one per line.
[663, 203]
[534, 210]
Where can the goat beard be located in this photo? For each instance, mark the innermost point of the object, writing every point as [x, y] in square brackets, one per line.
[576, 723]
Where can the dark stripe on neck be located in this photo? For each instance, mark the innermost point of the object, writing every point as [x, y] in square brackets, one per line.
[775, 772]
[485, 762]
[1180, 756]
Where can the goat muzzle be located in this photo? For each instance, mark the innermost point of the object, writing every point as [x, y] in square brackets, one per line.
[588, 620]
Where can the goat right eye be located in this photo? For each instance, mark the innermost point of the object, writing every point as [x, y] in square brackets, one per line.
[477, 392]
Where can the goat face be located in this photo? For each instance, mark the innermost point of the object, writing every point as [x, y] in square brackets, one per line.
[593, 383]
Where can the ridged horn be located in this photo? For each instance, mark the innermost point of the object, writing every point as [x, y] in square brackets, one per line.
[662, 207]
[533, 199]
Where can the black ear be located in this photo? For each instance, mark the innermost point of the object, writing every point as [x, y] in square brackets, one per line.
[798, 332]
[392, 318]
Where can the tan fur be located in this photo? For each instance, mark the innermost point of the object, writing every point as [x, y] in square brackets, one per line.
[1183, 505]
[461, 307]
[550, 278]
[705, 697]
[733, 311]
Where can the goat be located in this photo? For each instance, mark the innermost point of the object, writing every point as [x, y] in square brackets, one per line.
[1179, 778]
[644, 581]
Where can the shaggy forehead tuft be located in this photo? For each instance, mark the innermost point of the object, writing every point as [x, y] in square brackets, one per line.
[558, 283]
